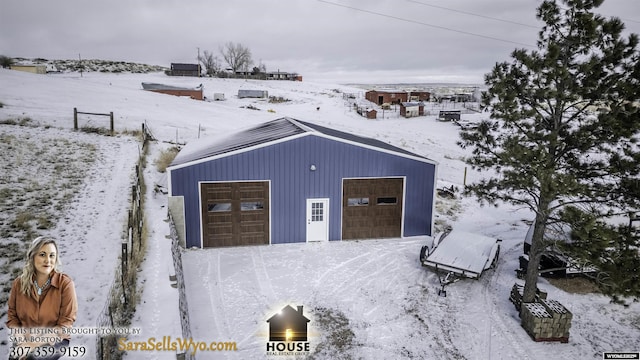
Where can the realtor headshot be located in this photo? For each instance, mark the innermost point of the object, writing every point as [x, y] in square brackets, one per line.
[41, 304]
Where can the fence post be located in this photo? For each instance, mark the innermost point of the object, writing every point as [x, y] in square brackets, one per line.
[124, 259]
[75, 118]
[124, 293]
[111, 121]
[111, 324]
[464, 181]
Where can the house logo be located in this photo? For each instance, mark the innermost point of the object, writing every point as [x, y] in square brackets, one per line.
[288, 332]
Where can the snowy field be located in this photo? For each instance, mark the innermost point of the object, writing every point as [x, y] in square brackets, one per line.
[384, 304]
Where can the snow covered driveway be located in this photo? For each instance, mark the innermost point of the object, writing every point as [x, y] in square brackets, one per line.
[388, 302]
[378, 285]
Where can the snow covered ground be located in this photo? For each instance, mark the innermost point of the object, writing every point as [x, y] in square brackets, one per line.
[384, 304]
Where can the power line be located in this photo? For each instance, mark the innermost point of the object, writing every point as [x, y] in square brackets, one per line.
[474, 14]
[621, 18]
[503, 20]
[426, 24]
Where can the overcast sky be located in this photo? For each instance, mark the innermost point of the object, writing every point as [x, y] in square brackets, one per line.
[370, 41]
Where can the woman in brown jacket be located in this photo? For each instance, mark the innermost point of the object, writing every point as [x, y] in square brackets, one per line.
[42, 303]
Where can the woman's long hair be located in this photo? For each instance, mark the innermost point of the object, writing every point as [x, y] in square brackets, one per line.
[29, 270]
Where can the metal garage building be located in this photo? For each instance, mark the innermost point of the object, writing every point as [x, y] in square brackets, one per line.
[289, 181]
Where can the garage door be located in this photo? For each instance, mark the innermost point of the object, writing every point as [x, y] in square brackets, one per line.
[372, 208]
[235, 213]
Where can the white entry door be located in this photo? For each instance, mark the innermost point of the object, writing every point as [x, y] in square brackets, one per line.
[317, 219]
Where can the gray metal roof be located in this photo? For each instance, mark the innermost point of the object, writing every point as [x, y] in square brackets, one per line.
[358, 139]
[273, 131]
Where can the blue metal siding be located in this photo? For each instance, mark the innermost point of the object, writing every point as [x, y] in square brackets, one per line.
[287, 165]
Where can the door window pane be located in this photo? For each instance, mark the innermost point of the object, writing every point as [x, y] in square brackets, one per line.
[251, 205]
[217, 207]
[358, 201]
[387, 200]
[317, 211]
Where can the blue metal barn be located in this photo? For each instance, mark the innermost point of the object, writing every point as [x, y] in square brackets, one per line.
[289, 181]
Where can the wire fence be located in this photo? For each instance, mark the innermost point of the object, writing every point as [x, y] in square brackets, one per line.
[176, 254]
[121, 302]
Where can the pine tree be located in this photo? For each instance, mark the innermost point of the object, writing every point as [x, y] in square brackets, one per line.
[611, 249]
[564, 122]
[5, 61]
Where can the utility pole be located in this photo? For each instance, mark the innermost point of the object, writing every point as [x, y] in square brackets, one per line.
[199, 70]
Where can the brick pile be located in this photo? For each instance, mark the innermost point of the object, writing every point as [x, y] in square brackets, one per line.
[517, 292]
[544, 319]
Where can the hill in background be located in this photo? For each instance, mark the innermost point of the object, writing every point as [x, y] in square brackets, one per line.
[93, 65]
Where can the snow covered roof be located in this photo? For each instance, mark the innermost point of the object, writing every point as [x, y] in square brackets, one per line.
[273, 131]
[157, 86]
[388, 91]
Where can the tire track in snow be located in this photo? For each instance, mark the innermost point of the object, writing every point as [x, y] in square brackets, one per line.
[334, 269]
[262, 276]
[434, 319]
[372, 256]
[497, 322]
[216, 299]
[360, 272]
[439, 321]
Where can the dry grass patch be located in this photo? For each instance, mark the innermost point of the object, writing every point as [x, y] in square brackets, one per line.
[338, 340]
[20, 121]
[575, 285]
[165, 158]
[41, 174]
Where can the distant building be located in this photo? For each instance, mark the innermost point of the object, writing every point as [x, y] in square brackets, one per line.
[32, 68]
[456, 98]
[51, 68]
[178, 69]
[259, 94]
[466, 97]
[283, 76]
[243, 73]
[371, 114]
[411, 109]
[194, 93]
[386, 96]
[417, 96]
[366, 111]
[450, 115]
